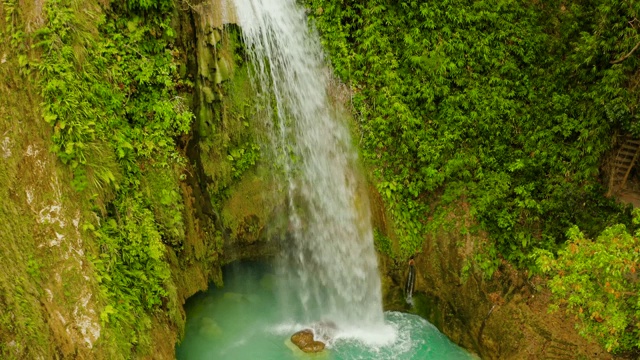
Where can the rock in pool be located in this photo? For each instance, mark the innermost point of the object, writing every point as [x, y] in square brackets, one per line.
[304, 340]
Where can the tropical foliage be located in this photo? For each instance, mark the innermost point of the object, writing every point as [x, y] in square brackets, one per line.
[112, 100]
[598, 282]
[508, 104]
[511, 107]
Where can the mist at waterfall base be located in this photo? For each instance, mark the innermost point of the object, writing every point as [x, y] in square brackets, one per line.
[244, 321]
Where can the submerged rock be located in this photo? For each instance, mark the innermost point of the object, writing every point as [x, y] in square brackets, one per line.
[236, 297]
[304, 340]
[313, 347]
[299, 354]
[209, 328]
[268, 282]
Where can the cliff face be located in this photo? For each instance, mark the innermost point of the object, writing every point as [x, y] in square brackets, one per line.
[209, 210]
[49, 294]
[48, 291]
[504, 317]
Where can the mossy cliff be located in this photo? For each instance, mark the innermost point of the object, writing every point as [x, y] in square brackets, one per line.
[117, 201]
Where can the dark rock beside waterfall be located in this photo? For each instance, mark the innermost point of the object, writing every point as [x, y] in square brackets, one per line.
[303, 339]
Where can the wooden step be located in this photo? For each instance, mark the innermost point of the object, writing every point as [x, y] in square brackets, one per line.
[623, 160]
[624, 157]
[623, 164]
[626, 153]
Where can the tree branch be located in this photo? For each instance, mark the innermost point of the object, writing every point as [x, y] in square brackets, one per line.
[626, 56]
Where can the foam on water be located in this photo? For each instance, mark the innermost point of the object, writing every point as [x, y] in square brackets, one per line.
[377, 337]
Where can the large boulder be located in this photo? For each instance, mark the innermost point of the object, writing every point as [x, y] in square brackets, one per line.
[304, 340]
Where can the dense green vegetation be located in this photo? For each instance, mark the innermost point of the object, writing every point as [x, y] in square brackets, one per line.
[117, 88]
[597, 281]
[118, 113]
[488, 108]
[112, 100]
[508, 106]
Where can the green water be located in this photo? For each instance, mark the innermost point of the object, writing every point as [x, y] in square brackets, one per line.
[244, 320]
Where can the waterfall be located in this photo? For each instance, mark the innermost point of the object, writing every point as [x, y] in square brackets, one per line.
[333, 271]
[410, 283]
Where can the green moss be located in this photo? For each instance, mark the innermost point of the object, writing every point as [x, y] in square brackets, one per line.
[40, 243]
[382, 243]
[247, 210]
[162, 189]
[208, 94]
[109, 94]
[228, 142]
[428, 309]
[224, 69]
[215, 35]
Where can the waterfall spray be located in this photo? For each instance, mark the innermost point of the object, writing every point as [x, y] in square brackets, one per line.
[333, 272]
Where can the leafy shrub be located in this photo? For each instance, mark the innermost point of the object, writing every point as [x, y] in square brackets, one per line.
[505, 104]
[597, 281]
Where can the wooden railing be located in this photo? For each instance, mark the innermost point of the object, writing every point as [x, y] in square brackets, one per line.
[622, 165]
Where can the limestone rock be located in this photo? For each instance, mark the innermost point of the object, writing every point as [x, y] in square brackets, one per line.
[304, 340]
[209, 328]
[313, 347]
[208, 94]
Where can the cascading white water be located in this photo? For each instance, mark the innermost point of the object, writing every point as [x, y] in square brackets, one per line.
[333, 266]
